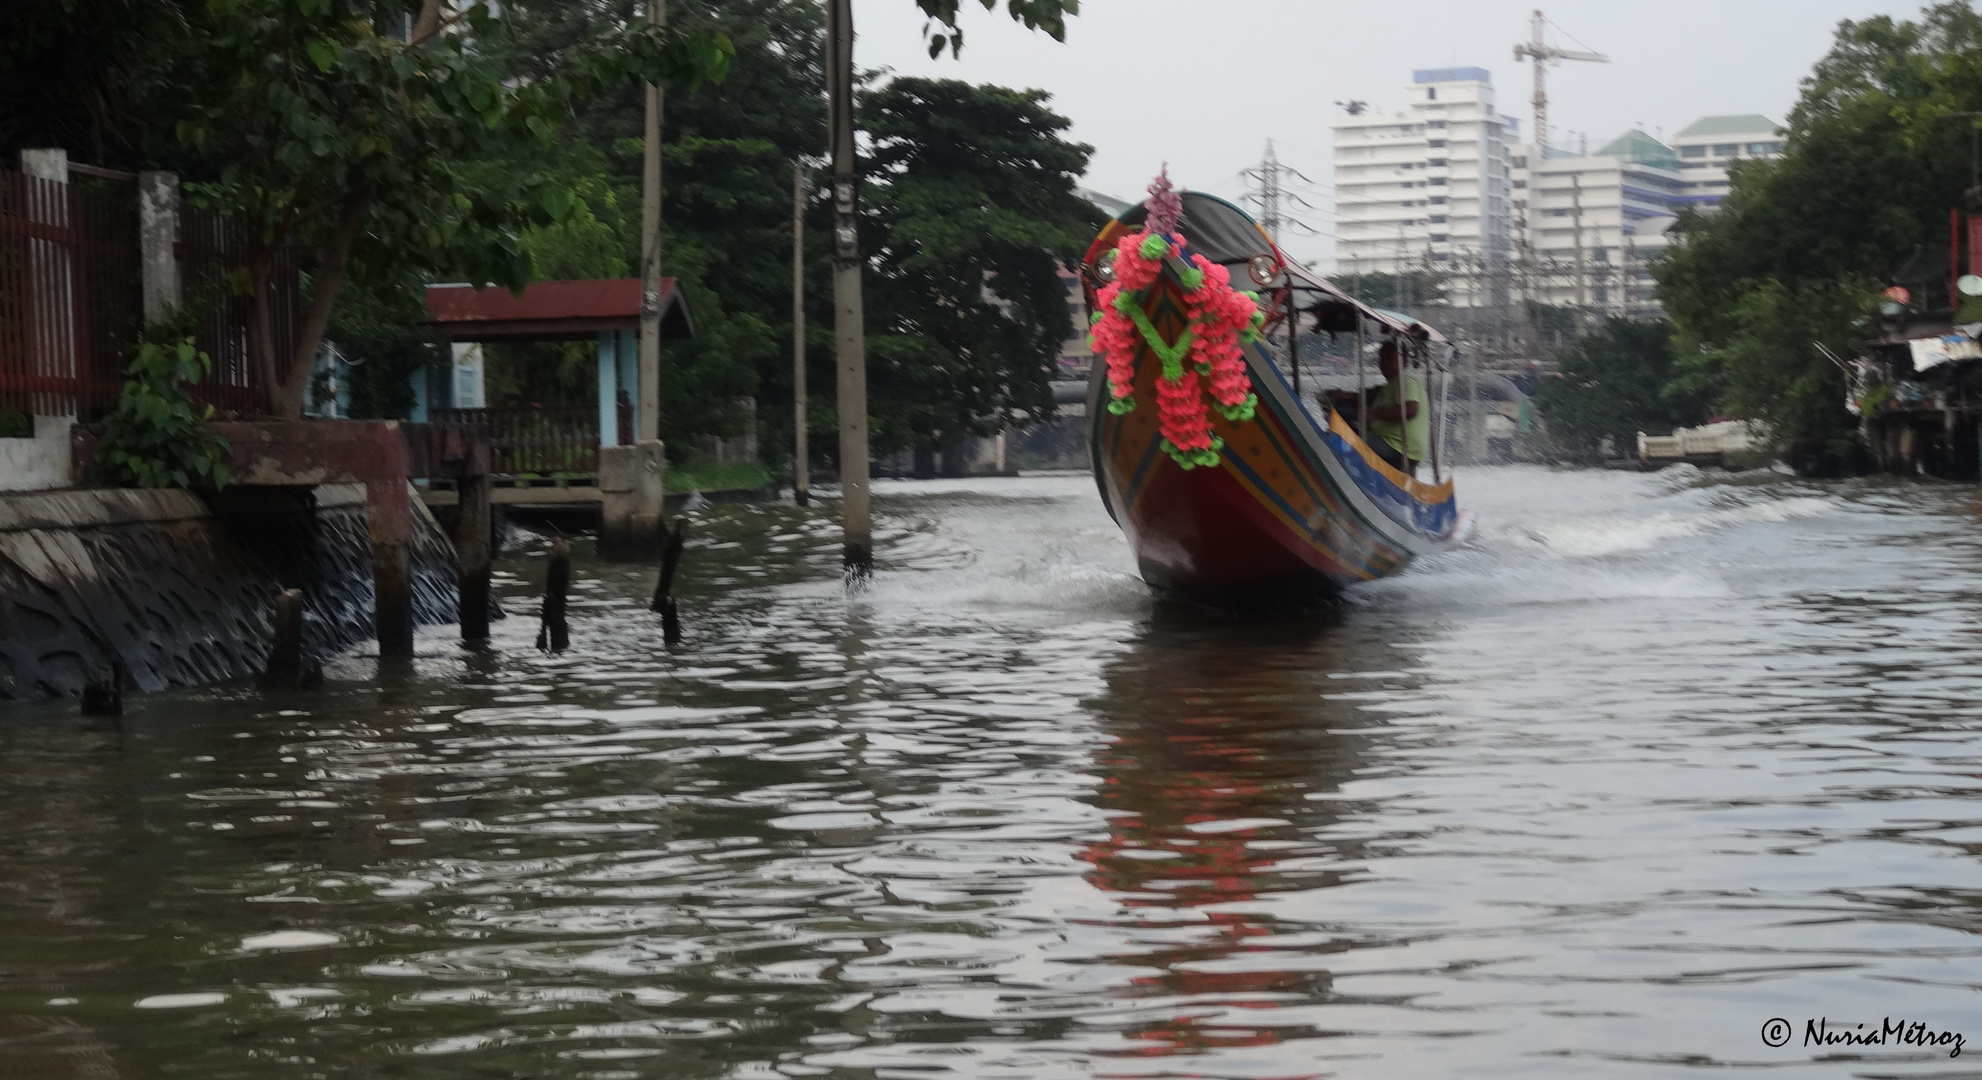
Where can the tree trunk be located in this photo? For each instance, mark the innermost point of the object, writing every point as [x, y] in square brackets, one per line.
[296, 379]
[261, 331]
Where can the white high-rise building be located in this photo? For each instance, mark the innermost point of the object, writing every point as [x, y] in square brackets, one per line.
[1428, 188]
[1708, 145]
[1594, 223]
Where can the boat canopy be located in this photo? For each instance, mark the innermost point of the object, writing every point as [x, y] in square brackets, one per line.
[1230, 237]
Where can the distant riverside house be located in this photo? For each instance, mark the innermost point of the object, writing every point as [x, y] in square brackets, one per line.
[605, 310]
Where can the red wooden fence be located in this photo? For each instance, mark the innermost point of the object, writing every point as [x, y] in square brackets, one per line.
[535, 440]
[71, 301]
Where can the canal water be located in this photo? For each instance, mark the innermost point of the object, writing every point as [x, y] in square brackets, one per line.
[1656, 761]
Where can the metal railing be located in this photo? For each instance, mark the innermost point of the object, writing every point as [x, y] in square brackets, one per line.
[71, 298]
[69, 295]
[535, 440]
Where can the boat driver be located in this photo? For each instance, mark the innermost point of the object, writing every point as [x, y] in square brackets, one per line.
[1399, 413]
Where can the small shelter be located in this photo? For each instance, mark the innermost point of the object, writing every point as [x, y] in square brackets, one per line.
[607, 308]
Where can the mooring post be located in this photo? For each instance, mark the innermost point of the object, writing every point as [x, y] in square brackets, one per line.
[473, 529]
[104, 694]
[554, 634]
[284, 670]
[390, 518]
[664, 589]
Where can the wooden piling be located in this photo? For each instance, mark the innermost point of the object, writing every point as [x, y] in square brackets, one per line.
[664, 589]
[285, 669]
[388, 512]
[104, 695]
[554, 635]
[472, 529]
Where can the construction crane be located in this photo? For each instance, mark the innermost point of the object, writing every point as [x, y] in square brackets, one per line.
[1544, 54]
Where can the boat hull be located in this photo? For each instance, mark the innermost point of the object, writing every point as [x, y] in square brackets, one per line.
[1296, 507]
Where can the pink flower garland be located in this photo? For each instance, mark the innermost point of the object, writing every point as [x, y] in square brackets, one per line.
[1222, 321]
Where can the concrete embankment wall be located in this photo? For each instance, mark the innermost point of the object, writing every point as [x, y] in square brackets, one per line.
[174, 590]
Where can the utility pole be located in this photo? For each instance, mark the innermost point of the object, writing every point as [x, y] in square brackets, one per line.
[1582, 295]
[1269, 193]
[801, 468]
[850, 338]
[650, 255]
[1538, 49]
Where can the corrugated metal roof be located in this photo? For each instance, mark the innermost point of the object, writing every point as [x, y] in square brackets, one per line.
[550, 309]
[1744, 124]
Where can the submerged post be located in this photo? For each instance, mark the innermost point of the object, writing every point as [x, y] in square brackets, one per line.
[388, 514]
[285, 670]
[664, 588]
[473, 527]
[554, 633]
[801, 466]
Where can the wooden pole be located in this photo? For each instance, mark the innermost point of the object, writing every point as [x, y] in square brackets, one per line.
[664, 589]
[1362, 392]
[554, 634]
[801, 464]
[472, 528]
[650, 255]
[848, 314]
[1294, 335]
[285, 669]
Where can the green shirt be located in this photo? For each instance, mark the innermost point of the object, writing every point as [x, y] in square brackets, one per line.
[1417, 430]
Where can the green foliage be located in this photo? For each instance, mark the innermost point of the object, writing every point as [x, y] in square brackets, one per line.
[1615, 383]
[380, 327]
[711, 476]
[331, 135]
[972, 210]
[155, 436]
[726, 215]
[1047, 15]
[1877, 153]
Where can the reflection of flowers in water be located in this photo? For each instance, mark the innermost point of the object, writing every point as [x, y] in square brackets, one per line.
[1200, 793]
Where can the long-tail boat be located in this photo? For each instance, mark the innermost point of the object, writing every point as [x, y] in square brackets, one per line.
[1232, 489]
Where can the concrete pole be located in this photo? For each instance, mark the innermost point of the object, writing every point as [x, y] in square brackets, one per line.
[848, 313]
[801, 465]
[158, 239]
[649, 399]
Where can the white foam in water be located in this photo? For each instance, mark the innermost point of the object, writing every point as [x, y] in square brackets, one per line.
[1608, 535]
[1041, 543]
[1546, 536]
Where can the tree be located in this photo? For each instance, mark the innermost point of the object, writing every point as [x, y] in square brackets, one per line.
[974, 209]
[728, 156]
[1614, 384]
[333, 135]
[1775, 281]
[1047, 15]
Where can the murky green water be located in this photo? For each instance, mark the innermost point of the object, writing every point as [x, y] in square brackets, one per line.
[1654, 762]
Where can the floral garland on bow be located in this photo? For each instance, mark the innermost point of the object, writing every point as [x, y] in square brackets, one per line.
[1207, 360]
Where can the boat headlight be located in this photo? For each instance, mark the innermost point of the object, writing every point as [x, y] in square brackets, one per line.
[1263, 269]
[1104, 267]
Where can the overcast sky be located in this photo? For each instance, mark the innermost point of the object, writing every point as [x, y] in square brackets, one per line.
[1203, 84]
